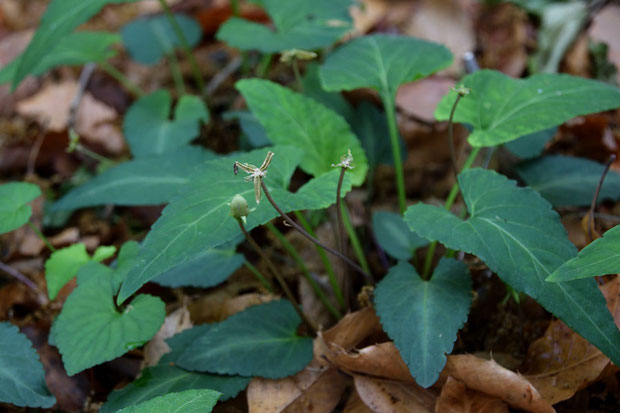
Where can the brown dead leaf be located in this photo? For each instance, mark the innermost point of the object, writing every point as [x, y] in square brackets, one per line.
[604, 28]
[389, 396]
[367, 13]
[420, 98]
[95, 121]
[353, 328]
[577, 59]
[561, 362]
[447, 23]
[356, 405]
[488, 377]
[217, 307]
[457, 398]
[174, 323]
[65, 237]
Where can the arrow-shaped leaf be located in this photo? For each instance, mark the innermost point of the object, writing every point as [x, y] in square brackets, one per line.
[517, 234]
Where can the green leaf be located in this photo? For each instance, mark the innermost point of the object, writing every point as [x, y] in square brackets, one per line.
[167, 378]
[14, 208]
[75, 49]
[565, 180]
[423, 317]
[206, 269]
[601, 257]
[149, 39]
[394, 236]
[335, 101]
[148, 129]
[259, 341]
[189, 401]
[502, 109]
[60, 19]
[90, 330]
[382, 62]
[532, 145]
[199, 217]
[517, 234]
[65, 263]
[254, 135]
[293, 119]
[22, 379]
[299, 24]
[152, 180]
[370, 126]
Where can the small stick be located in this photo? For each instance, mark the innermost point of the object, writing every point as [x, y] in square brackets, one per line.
[342, 240]
[42, 298]
[611, 160]
[278, 276]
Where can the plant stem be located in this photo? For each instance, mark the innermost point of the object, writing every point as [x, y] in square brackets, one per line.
[260, 277]
[234, 4]
[430, 253]
[175, 70]
[300, 262]
[185, 45]
[100, 158]
[390, 113]
[300, 85]
[451, 137]
[342, 238]
[355, 241]
[122, 79]
[333, 280]
[611, 160]
[41, 297]
[263, 65]
[36, 230]
[303, 232]
[278, 276]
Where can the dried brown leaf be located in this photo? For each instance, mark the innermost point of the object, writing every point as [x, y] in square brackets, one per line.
[367, 14]
[488, 377]
[604, 28]
[420, 98]
[174, 323]
[457, 398]
[353, 328]
[390, 396]
[356, 405]
[561, 362]
[220, 305]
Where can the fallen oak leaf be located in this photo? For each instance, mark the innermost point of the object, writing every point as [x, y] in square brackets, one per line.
[356, 405]
[561, 362]
[391, 396]
[455, 397]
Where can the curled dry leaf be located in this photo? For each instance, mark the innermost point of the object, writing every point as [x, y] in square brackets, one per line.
[390, 396]
[353, 328]
[367, 14]
[174, 323]
[356, 405]
[561, 362]
[420, 98]
[488, 377]
[457, 398]
[220, 305]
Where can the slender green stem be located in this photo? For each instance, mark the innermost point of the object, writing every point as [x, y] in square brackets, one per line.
[122, 79]
[451, 137]
[390, 113]
[276, 273]
[260, 277]
[342, 238]
[300, 262]
[430, 253]
[36, 230]
[177, 76]
[331, 274]
[355, 241]
[234, 4]
[185, 45]
[94, 155]
[263, 65]
[300, 85]
[589, 224]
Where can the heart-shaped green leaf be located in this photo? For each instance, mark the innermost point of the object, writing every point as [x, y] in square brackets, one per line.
[502, 109]
[22, 379]
[382, 62]
[394, 235]
[293, 119]
[14, 208]
[206, 269]
[601, 257]
[313, 88]
[149, 130]
[189, 401]
[565, 180]
[299, 24]
[423, 317]
[532, 145]
[151, 180]
[517, 234]
[65, 263]
[167, 378]
[90, 329]
[75, 49]
[199, 217]
[259, 341]
[149, 39]
[60, 19]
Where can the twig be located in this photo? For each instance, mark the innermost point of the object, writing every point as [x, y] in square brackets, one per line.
[303, 232]
[277, 275]
[41, 297]
[87, 72]
[223, 74]
[611, 160]
[36, 148]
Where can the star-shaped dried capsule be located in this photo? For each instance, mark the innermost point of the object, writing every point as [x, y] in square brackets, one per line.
[346, 161]
[256, 174]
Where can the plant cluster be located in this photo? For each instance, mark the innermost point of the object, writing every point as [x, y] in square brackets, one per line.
[310, 126]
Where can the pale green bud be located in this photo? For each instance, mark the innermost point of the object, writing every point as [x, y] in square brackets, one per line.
[239, 208]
